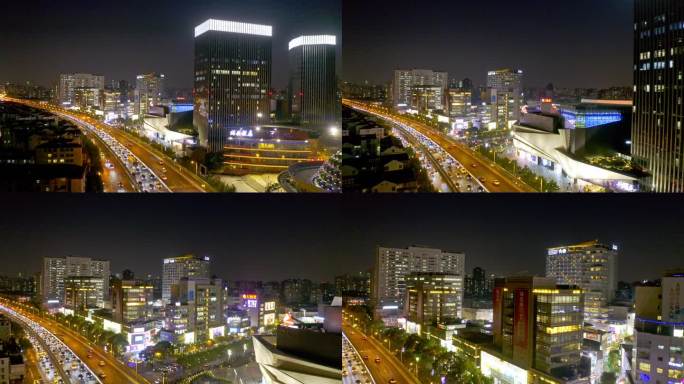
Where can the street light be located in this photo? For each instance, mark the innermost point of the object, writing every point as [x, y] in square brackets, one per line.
[417, 360]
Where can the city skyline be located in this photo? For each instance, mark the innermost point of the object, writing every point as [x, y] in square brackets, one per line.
[467, 40]
[318, 252]
[423, 222]
[249, 249]
[158, 38]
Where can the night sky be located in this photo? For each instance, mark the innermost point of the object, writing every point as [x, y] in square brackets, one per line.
[579, 43]
[280, 236]
[121, 39]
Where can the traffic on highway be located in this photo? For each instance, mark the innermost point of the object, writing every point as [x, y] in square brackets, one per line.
[483, 172]
[447, 173]
[144, 168]
[145, 180]
[354, 370]
[57, 362]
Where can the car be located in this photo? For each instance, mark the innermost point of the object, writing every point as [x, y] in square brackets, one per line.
[473, 165]
[496, 182]
[392, 381]
[482, 179]
[90, 355]
[101, 375]
[365, 357]
[377, 360]
[101, 363]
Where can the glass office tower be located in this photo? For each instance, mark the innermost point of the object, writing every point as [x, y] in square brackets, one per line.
[658, 79]
[232, 79]
[313, 83]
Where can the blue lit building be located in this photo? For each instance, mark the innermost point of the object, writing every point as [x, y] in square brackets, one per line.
[587, 144]
[659, 331]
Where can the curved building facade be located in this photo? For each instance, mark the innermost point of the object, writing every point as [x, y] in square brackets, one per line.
[267, 149]
[313, 83]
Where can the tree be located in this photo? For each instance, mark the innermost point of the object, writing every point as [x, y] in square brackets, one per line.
[614, 361]
[118, 343]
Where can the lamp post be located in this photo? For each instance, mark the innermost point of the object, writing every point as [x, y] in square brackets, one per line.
[417, 360]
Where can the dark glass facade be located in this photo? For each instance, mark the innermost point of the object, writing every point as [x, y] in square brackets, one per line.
[658, 80]
[232, 82]
[312, 87]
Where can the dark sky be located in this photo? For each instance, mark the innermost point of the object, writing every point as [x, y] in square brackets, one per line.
[578, 43]
[510, 233]
[121, 39]
[317, 237]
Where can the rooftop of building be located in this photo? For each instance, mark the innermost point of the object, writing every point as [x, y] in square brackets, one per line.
[60, 143]
[583, 245]
[318, 347]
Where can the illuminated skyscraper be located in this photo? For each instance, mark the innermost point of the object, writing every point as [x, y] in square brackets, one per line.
[506, 95]
[57, 269]
[131, 300]
[459, 101]
[592, 266]
[433, 298]
[232, 78]
[406, 80]
[313, 82]
[537, 327]
[393, 265]
[657, 143]
[149, 91]
[70, 82]
[186, 266]
[83, 292]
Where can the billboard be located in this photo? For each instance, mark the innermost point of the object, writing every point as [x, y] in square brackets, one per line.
[521, 319]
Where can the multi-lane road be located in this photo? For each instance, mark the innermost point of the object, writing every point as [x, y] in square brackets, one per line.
[384, 367]
[166, 175]
[481, 168]
[91, 355]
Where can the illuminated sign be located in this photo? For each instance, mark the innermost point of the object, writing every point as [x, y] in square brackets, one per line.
[266, 146]
[249, 296]
[521, 321]
[251, 303]
[557, 251]
[269, 319]
[241, 132]
[219, 331]
[269, 306]
[189, 337]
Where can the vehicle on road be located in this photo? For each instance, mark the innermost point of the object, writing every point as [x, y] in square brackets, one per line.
[101, 363]
[377, 360]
